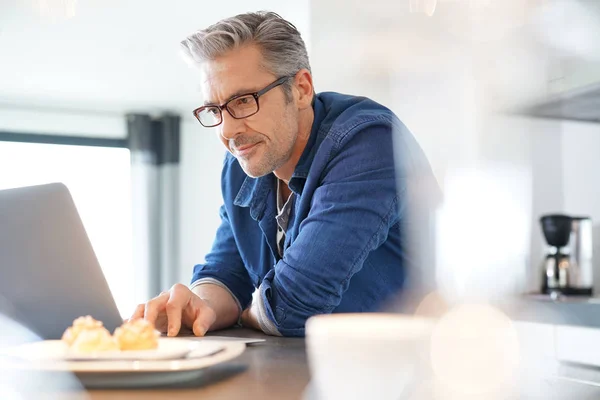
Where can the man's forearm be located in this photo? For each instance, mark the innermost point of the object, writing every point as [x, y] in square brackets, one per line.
[222, 302]
[249, 318]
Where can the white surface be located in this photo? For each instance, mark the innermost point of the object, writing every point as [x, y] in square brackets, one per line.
[578, 345]
[537, 348]
[168, 349]
[365, 356]
[536, 340]
[544, 346]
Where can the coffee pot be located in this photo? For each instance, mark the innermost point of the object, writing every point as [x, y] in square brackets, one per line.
[567, 268]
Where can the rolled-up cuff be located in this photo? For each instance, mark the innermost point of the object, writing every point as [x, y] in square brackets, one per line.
[213, 281]
[266, 325]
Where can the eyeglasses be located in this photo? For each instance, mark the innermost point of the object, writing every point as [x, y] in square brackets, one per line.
[238, 107]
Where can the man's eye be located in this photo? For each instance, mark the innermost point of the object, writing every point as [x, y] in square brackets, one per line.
[212, 111]
[242, 101]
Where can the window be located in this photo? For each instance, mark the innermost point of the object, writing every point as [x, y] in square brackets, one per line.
[99, 179]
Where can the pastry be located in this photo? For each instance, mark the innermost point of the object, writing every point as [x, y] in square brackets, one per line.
[79, 325]
[94, 340]
[137, 334]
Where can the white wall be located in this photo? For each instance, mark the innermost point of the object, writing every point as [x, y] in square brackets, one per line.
[201, 159]
[581, 177]
[534, 148]
[581, 168]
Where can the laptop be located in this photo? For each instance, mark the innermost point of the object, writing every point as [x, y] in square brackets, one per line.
[49, 273]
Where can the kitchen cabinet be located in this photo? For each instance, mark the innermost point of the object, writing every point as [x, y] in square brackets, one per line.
[572, 95]
[568, 32]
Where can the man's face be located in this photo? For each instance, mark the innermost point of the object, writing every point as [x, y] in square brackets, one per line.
[264, 141]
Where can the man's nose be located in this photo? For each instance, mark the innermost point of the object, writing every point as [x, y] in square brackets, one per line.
[230, 127]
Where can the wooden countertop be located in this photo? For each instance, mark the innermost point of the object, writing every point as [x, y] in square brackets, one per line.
[274, 369]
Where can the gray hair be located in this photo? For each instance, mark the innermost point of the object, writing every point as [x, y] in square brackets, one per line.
[282, 47]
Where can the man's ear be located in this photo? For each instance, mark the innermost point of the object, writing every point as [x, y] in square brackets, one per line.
[303, 85]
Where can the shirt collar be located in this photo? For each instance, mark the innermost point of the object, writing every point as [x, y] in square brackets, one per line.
[253, 194]
[303, 167]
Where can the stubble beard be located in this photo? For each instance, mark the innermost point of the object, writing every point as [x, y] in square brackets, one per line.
[270, 162]
[274, 158]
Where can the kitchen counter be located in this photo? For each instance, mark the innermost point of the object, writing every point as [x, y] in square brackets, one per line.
[575, 311]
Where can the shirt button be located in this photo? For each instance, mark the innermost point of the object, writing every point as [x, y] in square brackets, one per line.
[279, 229]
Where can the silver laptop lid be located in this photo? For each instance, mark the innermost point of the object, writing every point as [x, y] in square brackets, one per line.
[49, 274]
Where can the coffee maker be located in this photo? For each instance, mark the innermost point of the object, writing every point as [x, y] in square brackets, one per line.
[567, 268]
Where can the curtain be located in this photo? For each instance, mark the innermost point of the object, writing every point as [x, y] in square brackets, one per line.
[155, 151]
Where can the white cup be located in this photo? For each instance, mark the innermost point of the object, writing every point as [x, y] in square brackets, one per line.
[367, 356]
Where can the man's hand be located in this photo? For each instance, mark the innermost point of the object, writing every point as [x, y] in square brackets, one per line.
[179, 306]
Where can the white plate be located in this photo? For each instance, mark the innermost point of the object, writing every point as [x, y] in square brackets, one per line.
[57, 350]
[141, 373]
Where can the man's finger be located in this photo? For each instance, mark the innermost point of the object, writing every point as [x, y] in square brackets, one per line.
[200, 326]
[206, 317]
[154, 306]
[178, 301]
[139, 312]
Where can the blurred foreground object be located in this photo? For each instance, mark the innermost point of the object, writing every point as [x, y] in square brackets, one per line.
[22, 383]
[358, 356]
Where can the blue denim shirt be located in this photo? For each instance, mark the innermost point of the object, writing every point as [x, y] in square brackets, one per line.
[343, 247]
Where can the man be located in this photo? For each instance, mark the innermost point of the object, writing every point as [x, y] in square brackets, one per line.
[311, 216]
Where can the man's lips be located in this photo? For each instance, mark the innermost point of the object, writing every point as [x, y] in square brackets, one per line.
[242, 148]
[245, 149]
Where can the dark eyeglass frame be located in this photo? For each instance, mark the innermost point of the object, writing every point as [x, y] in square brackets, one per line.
[225, 105]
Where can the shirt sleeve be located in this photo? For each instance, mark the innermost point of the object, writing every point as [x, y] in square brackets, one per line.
[351, 214]
[224, 266]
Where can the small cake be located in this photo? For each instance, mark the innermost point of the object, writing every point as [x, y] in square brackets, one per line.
[137, 334]
[79, 325]
[94, 340]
